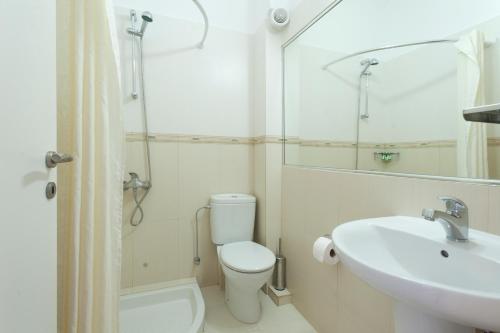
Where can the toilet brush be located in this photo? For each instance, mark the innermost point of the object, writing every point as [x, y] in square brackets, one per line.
[279, 281]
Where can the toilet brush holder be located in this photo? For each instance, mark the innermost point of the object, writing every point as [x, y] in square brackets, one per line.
[279, 280]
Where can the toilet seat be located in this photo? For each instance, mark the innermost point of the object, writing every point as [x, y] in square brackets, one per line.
[247, 257]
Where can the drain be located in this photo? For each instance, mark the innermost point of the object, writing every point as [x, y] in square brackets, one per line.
[445, 253]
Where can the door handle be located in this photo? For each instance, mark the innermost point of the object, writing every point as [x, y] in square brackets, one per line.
[52, 159]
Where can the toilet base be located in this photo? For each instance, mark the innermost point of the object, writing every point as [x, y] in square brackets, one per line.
[244, 305]
[242, 292]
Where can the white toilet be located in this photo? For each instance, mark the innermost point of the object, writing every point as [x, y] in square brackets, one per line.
[246, 265]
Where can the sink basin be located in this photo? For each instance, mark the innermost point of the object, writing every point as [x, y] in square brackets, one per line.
[439, 285]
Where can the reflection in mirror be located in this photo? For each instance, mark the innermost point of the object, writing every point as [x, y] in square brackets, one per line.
[386, 92]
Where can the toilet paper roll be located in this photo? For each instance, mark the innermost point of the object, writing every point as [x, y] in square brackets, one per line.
[323, 251]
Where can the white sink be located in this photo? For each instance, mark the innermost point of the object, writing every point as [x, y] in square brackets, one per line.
[440, 285]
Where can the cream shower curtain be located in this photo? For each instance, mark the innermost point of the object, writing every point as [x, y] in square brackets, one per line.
[90, 189]
[472, 139]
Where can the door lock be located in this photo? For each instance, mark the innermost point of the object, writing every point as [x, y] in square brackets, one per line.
[50, 190]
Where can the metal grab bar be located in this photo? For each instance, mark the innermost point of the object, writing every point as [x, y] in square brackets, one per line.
[205, 18]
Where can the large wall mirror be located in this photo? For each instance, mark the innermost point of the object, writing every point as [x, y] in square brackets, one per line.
[385, 91]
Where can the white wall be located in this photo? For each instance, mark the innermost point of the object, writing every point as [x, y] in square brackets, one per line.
[267, 84]
[210, 91]
[325, 99]
[188, 90]
[412, 94]
[238, 15]
[413, 97]
[383, 22]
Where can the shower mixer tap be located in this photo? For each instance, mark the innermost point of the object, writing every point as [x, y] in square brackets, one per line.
[136, 183]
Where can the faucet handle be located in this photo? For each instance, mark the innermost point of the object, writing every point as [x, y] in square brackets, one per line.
[454, 206]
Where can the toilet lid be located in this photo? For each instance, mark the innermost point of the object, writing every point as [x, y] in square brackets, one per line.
[247, 257]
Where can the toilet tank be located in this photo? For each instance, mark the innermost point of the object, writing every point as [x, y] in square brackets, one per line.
[232, 217]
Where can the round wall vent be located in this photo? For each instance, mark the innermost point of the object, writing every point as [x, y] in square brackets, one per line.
[279, 18]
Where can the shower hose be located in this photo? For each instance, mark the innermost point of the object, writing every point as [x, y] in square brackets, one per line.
[138, 209]
[138, 199]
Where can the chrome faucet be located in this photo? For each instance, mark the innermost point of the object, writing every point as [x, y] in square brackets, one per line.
[455, 220]
[136, 183]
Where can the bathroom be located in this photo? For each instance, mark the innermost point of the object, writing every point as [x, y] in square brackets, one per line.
[250, 166]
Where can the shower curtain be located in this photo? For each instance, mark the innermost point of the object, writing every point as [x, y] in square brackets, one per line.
[472, 139]
[90, 189]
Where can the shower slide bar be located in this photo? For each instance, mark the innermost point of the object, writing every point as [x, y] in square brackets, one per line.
[396, 46]
[133, 31]
[133, 23]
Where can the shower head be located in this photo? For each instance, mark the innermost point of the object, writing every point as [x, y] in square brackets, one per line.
[147, 17]
[367, 63]
[370, 62]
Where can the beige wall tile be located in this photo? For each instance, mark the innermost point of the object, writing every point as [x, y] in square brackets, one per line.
[207, 272]
[273, 194]
[315, 201]
[494, 161]
[494, 210]
[156, 251]
[364, 196]
[355, 296]
[163, 198]
[185, 175]
[199, 178]
[335, 157]
[235, 168]
[447, 161]
[307, 279]
[127, 276]
[259, 168]
[350, 321]
[292, 154]
[198, 174]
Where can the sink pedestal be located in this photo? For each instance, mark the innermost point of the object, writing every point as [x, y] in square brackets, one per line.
[409, 319]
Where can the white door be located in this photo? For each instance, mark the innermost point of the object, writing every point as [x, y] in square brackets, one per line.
[28, 232]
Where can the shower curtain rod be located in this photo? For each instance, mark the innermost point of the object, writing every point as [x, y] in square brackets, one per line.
[388, 47]
[205, 18]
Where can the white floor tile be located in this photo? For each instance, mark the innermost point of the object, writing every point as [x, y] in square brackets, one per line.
[282, 319]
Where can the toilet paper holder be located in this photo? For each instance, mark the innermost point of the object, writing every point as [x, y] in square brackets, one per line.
[332, 251]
